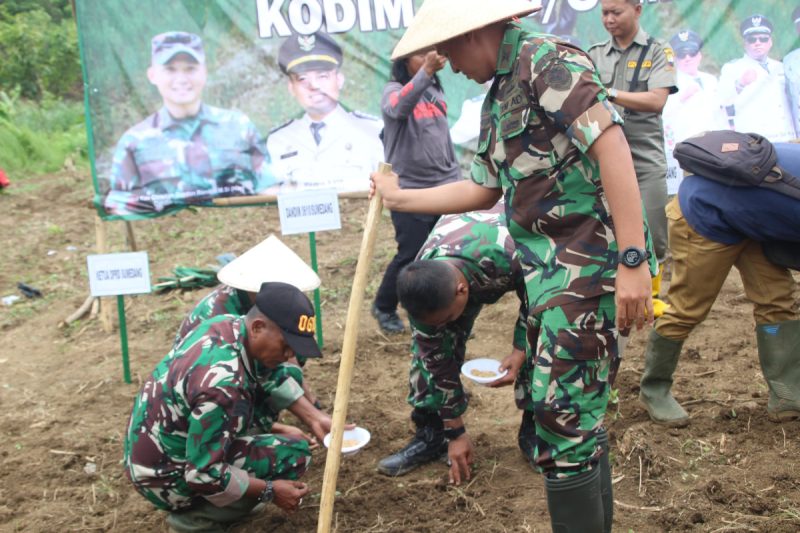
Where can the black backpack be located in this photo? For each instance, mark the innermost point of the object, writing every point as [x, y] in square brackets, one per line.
[736, 159]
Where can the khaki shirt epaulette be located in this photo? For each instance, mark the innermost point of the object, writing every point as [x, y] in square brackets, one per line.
[616, 67]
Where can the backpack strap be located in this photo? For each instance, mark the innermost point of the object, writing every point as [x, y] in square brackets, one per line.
[642, 55]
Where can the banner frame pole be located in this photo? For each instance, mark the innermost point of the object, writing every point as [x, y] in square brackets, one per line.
[123, 338]
[312, 245]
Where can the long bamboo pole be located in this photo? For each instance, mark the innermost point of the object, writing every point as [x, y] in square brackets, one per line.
[347, 361]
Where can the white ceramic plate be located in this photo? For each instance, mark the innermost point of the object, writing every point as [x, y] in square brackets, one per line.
[352, 440]
[473, 369]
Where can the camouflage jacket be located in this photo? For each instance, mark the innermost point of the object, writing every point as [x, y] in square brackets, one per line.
[282, 385]
[544, 110]
[162, 162]
[479, 245]
[199, 398]
[224, 300]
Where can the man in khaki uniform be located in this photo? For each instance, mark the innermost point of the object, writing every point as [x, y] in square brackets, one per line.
[640, 73]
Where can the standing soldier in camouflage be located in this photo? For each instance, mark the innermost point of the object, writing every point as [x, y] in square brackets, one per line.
[285, 386]
[467, 261]
[194, 446]
[639, 72]
[552, 145]
[187, 152]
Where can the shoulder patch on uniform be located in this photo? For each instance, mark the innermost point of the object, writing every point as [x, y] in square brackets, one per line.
[670, 55]
[366, 116]
[542, 62]
[276, 128]
[558, 77]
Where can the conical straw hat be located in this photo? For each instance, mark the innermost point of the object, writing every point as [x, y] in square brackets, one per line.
[271, 260]
[440, 20]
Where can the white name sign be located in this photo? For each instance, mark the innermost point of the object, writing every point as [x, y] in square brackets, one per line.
[307, 211]
[116, 274]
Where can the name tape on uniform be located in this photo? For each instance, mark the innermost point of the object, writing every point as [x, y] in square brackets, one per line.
[307, 211]
[118, 274]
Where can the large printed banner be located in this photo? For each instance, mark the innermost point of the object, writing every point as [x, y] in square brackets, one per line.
[193, 100]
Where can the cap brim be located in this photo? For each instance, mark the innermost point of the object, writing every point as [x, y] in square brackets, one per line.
[167, 56]
[302, 345]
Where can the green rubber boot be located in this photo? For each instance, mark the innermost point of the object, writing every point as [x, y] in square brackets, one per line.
[660, 361]
[575, 503]
[779, 354]
[204, 517]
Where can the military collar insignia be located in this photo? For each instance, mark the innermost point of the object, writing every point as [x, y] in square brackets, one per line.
[306, 42]
[508, 49]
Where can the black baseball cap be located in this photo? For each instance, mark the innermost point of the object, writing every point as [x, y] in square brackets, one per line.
[292, 312]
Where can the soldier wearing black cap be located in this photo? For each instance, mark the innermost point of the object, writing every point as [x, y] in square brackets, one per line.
[328, 146]
[695, 107]
[196, 445]
[791, 65]
[753, 87]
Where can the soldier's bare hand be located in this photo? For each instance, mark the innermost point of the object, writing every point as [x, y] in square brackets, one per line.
[322, 425]
[287, 494]
[634, 297]
[512, 363]
[460, 453]
[433, 62]
[295, 432]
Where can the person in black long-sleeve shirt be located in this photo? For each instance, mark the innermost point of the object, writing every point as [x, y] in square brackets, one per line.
[416, 140]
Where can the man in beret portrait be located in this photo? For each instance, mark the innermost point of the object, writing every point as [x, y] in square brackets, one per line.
[753, 87]
[327, 146]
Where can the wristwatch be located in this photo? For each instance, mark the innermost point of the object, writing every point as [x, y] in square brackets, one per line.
[454, 433]
[266, 494]
[632, 256]
[612, 94]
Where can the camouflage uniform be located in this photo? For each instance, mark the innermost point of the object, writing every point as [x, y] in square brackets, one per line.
[163, 162]
[193, 430]
[544, 110]
[479, 245]
[282, 385]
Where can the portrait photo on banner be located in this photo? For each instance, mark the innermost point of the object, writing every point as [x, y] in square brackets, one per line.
[189, 102]
[214, 99]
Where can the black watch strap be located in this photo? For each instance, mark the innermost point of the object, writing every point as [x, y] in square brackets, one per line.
[454, 433]
[266, 494]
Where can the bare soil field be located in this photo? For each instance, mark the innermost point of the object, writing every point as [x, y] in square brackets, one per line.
[65, 405]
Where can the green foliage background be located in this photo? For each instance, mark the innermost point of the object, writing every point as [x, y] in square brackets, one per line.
[41, 113]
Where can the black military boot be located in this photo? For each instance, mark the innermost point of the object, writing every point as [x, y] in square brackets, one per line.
[526, 437]
[427, 445]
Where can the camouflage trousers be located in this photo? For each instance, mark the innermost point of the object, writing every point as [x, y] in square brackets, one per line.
[262, 456]
[434, 379]
[566, 382]
[280, 388]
